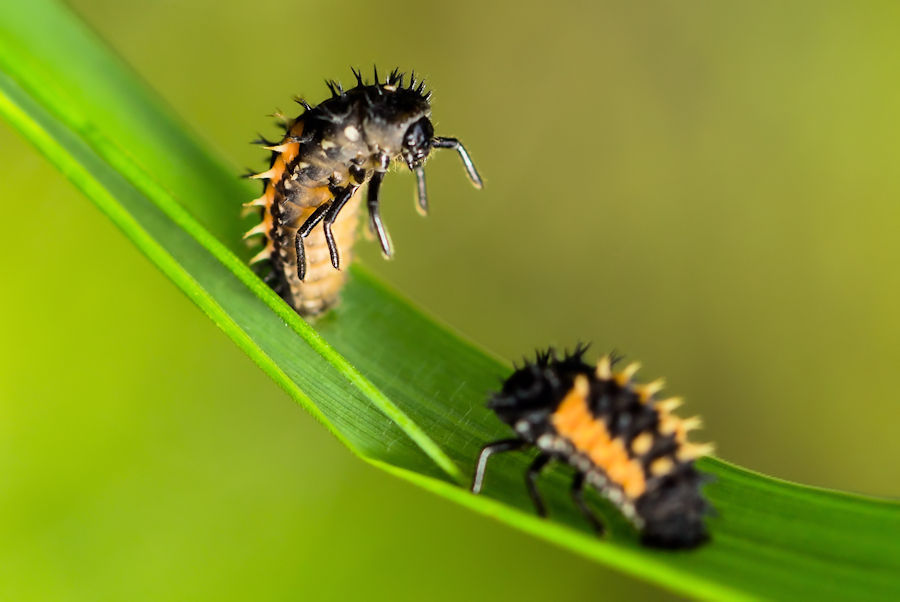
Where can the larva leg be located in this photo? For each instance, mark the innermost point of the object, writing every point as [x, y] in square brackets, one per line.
[334, 208]
[313, 220]
[301, 256]
[578, 497]
[487, 451]
[455, 144]
[421, 191]
[302, 232]
[534, 471]
[372, 204]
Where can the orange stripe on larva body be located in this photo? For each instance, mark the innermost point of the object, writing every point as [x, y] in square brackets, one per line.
[277, 169]
[589, 435]
[289, 152]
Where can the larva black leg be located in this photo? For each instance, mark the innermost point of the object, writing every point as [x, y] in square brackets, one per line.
[313, 220]
[375, 213]
[453, 143]
[578, 498]
[330, 216]
[421, 192]
[301, 256]
[534, 471]
[487, 451]
[302, 232]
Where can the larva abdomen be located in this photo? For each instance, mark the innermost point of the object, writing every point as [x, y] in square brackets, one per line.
[320, 289]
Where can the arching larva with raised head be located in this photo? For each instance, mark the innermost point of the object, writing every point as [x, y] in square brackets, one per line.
[309, 205]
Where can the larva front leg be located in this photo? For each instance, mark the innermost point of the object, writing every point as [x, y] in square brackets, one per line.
[372, 202]
[440, 142]
[497, 447]
[421, 191]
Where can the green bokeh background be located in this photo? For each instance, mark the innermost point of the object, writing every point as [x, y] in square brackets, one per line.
[710, 187]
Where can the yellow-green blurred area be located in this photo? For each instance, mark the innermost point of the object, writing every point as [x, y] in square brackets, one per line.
[708, 187]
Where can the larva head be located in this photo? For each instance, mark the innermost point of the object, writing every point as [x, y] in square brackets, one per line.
[525, 395]
[533, 391]
[417, 142]
[396, 120]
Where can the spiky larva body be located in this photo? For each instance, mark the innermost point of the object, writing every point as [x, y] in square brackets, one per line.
[620, 439]
[310, 201]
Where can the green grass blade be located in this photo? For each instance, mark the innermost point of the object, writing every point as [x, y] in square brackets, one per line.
[143, 203]
[400, 390]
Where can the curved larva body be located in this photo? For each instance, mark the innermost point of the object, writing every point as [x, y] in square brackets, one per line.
[311, 196]
[620, 439]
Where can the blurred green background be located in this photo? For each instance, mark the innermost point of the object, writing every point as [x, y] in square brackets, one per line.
[709, 187]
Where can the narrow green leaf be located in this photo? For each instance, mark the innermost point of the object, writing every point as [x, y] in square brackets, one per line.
[403, 392]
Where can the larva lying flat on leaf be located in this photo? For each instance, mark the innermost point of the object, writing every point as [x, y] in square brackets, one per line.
[620, 439]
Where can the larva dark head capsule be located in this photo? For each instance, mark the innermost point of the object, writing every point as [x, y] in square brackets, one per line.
[522, 403]
[618, 436]
[324, 157]
[417, 143]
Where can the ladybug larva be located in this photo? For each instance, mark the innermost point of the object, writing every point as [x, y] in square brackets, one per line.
[620, 439]
[309, 202]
